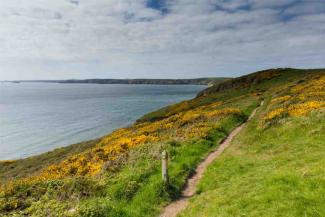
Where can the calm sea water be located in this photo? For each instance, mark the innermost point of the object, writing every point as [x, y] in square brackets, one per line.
[38, 117]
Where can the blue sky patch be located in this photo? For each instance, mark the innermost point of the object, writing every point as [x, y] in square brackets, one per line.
[159, 5]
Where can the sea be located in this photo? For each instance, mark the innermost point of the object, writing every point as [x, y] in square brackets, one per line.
[39, 117]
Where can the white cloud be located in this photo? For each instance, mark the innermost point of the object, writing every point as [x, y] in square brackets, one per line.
[111, 38]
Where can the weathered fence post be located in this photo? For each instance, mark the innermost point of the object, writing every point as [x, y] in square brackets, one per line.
[164, 166]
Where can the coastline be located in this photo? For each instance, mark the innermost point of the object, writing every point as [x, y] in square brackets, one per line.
[190, 81]
[52, 116]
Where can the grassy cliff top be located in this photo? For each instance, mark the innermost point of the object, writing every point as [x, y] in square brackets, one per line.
[119, 174]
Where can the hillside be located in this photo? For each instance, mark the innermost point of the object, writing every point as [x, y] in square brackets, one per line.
[193, 81]
[273, 168]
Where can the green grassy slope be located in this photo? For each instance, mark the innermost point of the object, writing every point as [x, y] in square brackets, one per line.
[257, 82]
[277, 172]
[135, 189]
[130, 185]
[274, 167]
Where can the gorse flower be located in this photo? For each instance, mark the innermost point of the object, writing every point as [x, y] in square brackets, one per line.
[280, 99]
[304, 98]
[226, 111]
[274, 114]
[195, 123]
[303, 108]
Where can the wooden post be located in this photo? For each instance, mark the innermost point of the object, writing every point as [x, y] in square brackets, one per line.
[164, 166]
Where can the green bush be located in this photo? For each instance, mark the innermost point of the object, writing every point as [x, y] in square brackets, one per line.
[49, 207]
[100, 207]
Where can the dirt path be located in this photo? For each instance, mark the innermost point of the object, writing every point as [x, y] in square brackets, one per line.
[173, 209]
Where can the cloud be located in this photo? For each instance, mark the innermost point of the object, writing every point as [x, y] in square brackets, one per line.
[165, 38]
[273, 3]
[307, 7]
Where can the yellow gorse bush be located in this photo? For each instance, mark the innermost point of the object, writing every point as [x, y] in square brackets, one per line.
[303, 98]
[226, 111]
[303, 108]
[280, 99]
[274, 114]
[191, 124]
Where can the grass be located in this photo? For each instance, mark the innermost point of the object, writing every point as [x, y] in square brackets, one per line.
[277, 171]
[231, 89]
[274, 169]
[138, 190]
[133, 189]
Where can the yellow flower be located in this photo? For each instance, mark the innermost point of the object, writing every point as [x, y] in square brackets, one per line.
[303, 108]
[198, 121]
[280, 99]
[226, 111]
[274, 114]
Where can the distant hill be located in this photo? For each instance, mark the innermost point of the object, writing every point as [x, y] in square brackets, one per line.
[193, 81]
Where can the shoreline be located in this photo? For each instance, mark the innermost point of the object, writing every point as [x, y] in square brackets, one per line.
[101, 123]
[190, 81]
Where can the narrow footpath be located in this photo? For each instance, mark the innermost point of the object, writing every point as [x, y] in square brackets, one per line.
[174, 208]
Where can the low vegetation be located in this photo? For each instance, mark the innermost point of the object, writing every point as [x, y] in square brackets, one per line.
[275, 167]
[119, 174]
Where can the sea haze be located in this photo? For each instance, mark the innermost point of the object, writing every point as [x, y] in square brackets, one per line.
[38, 117]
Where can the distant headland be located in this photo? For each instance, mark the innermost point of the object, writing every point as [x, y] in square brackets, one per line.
[192, 81]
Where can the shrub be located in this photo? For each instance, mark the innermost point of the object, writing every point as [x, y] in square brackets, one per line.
[100, 207]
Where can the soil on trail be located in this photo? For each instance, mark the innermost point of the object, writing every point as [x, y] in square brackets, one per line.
[174, 208]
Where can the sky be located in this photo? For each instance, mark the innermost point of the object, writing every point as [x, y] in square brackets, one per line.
[63, 39]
